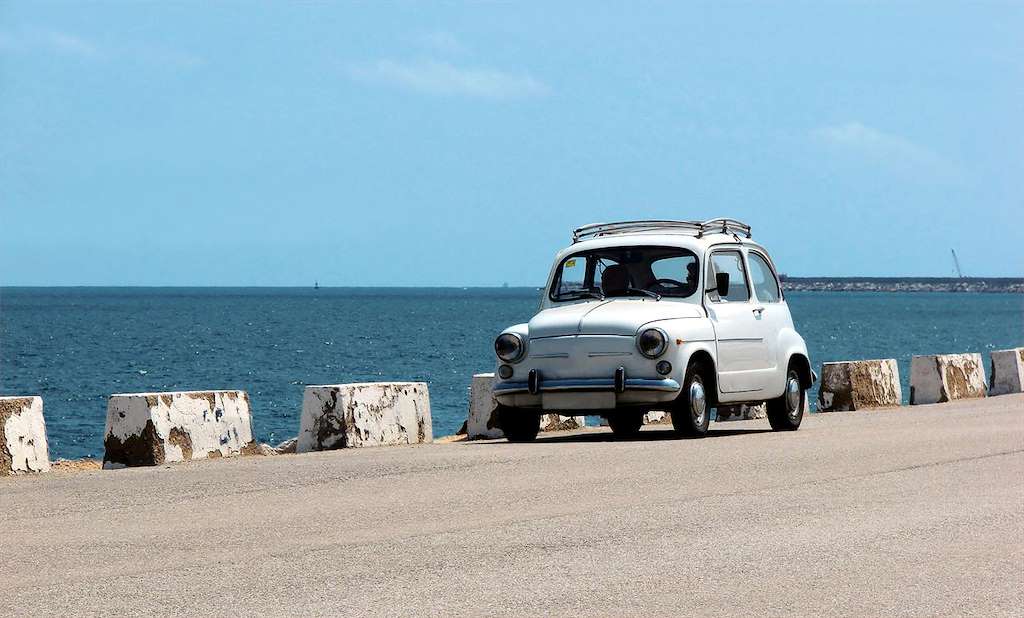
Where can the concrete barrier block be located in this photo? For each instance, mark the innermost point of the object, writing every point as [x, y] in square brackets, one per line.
[366, 414]
[23, 446]
[149, 429]
[1007, 373]
[482, 422]
[859, 385]
[657, 417]
[946, 377]
[557, 422]
[741, 412]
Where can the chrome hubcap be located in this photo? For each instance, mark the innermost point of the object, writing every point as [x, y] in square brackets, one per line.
[698, 402]
[793, 396]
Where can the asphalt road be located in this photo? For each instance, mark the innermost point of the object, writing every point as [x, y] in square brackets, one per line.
[917, 511]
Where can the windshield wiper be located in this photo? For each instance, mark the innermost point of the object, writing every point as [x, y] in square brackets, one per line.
[653, 295]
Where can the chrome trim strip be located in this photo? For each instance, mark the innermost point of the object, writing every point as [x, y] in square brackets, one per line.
[578, 335]
[596, 354]
[551, 355]
[741, 339]
[589, 384]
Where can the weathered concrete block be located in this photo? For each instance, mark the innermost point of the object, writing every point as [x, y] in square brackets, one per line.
[482, 422]
[149, 429]
[741, 412]
[557, 422]
[366, 414]
[1007, 372]
[946, 377]
[859, 385]
[657, 417]
[483, 418]
[23, 446]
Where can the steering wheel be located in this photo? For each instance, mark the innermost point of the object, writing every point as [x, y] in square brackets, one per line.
[669, 282]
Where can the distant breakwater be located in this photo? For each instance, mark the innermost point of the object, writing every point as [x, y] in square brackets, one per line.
[998, 285]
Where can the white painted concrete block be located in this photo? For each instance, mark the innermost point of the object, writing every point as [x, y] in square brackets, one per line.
[149, 429]
[946, 377]
[859, 385]
[1007, 372]
[366, 414]
[657, 417]
[23, 446]
[482, 422]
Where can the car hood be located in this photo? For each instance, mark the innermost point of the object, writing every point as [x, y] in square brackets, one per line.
[618, 316]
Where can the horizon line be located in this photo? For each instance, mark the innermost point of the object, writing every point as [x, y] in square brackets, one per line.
[495, 287]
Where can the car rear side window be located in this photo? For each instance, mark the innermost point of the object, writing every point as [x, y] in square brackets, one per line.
[766, 286]
[730, 262]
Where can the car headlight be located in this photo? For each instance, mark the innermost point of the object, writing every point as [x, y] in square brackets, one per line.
[652, 342]
[509, 347]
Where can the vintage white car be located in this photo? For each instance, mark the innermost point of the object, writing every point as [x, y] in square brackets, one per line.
[680, 316]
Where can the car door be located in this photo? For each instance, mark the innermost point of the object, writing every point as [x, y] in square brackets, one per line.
[742, 351]
[770, 310]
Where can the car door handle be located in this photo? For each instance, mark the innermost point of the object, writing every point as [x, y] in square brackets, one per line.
[758, 310]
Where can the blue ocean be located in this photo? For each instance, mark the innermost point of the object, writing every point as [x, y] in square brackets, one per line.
[76, 346]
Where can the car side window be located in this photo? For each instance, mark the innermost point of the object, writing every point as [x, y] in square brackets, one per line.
[730, 262]
[766, 286]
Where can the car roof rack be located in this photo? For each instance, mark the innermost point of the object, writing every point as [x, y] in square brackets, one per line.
[694, 228]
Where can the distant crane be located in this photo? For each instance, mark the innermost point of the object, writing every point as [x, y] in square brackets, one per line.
[956, 264]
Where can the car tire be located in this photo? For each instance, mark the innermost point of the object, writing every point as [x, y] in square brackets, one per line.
[517, 424]
[626, 424]
[786, 412]
[691, 411]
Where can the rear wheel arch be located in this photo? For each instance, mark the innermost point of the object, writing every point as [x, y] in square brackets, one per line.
[802, 366]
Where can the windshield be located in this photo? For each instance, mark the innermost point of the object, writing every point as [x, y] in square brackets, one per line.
[626, 271]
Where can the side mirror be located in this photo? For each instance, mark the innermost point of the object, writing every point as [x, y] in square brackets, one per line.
[722, 284]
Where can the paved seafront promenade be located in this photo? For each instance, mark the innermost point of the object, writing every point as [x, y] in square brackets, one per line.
[913, 511]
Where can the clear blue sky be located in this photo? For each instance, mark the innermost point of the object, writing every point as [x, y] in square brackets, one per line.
[274, 144]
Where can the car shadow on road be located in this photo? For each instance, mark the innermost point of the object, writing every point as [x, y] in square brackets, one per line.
[647, 435]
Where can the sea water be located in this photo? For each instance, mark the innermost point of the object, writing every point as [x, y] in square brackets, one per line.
[76, 346]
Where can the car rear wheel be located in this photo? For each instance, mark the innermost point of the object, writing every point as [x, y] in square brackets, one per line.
[786, 412]
[691, 414]
[517, 424]
[626, 424]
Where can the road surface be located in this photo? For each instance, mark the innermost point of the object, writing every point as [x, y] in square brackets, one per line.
[914, 511]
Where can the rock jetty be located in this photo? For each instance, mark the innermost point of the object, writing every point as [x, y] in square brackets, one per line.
[903, 284]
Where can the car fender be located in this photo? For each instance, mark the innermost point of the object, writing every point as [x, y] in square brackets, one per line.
[792, 344]
[687, 337]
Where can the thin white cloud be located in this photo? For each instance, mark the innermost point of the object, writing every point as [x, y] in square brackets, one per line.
[48, 41]
[70, 44]
[885, 148]
[442, 78]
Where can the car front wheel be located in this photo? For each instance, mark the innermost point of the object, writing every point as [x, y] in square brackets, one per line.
[786, 412]
[518, 425]
[690, 412]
